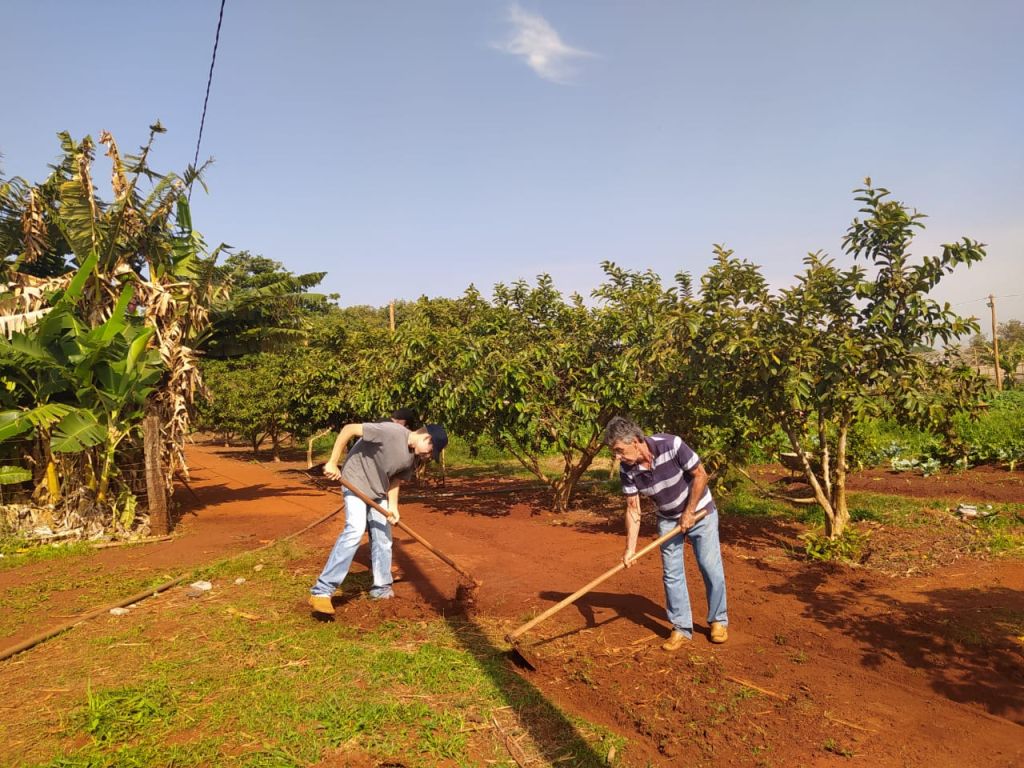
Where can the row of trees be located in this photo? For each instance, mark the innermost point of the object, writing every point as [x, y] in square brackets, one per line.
[109, 306]
[722, 360]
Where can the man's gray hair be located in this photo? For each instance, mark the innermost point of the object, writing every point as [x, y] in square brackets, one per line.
[622, 430]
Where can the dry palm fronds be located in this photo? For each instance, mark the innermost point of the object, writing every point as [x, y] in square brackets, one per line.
[33, 230]
[14, 323]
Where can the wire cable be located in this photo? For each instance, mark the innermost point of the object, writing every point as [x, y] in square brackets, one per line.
[206, 99]
[986, 298]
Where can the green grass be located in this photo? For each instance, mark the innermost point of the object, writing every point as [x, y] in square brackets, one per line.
[17, 551]
[116, 715]
[743, 501]
[244, 677]
[1004, 531]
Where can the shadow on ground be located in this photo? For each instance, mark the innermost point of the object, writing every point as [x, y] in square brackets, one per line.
[965, 641]
[550, 730]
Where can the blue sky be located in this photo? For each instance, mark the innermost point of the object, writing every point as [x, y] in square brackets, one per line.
[411, 148]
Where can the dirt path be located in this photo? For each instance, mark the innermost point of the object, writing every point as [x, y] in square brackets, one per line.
[898, 672]
[240, 506]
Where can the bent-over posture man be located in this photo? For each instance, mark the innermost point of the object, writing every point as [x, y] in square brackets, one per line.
[385, 454]
[667, 470]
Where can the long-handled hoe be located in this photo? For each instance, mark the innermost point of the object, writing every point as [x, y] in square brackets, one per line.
[465, 593]
[512, 638]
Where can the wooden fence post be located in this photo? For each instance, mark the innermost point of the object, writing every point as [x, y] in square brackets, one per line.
[156, 489]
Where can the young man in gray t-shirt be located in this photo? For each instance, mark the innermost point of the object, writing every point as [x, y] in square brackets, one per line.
[381, 459]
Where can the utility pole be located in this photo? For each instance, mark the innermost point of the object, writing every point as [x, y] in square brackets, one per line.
[995, 344]
[391, 316]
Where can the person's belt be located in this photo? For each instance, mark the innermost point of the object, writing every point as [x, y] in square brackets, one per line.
[679, 513]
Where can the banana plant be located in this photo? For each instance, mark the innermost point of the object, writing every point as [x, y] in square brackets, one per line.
[100, 377]
[115, 372]
[102, 348]
[34, 364]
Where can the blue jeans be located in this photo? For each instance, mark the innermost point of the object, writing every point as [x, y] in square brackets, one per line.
[357, 517]
[703, 537]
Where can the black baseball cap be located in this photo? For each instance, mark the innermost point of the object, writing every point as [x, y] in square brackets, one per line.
[438, 436]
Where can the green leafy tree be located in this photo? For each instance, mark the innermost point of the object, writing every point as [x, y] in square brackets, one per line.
[249, 396]
[538, 374]
[712, 337]
[103, 375]
[842, 345]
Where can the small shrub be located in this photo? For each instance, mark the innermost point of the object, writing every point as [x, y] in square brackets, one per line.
[845, 548]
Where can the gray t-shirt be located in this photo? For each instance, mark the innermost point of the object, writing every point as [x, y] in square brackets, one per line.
[380, 455]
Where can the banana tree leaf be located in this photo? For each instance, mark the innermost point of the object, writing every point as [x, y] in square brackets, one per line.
[13, 423]
[74, 290]
[9, 475]
[46, 415]
[22, 346]
[116, 323]
[76, 432]
[137, 347]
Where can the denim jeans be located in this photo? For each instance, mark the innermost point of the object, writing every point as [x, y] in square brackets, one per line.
[357, 517]
[703, 537]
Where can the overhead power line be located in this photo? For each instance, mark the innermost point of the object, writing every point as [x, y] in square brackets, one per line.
[206, 99]
[986, 298]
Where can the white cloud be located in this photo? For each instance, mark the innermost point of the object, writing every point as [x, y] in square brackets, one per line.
[534, 40]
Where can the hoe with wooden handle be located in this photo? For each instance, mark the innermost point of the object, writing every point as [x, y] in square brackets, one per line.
[512, 638]
[466, 593]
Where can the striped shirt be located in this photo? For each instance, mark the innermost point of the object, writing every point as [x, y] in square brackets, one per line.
[665, 481]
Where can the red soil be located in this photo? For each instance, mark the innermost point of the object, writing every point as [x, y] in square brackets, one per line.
[979, 484]
[897, 671]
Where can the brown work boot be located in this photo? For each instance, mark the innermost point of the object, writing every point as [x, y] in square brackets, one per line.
[719, 634]
[675, 641]
[321, 604]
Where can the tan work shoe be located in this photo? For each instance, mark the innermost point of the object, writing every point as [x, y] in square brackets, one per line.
[675, 641]
[321, 604]
[719, 634]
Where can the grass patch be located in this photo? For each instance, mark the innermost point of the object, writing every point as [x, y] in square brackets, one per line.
[16, 551]
[22, 602]
[743, 501]
[1003, 532]
[117, 715]
[244, 677]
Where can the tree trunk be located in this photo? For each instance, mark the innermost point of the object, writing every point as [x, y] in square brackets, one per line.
[565, 487]
[841, 516]
[819, 493]
[46, 488]
[826, 466]
[106, 468]
[156, 486]
[309, 447]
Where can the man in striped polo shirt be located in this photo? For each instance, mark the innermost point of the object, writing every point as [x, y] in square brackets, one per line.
[668, 471]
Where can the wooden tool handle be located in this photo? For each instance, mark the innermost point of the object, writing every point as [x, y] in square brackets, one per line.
[367, 500]
[511, 636]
